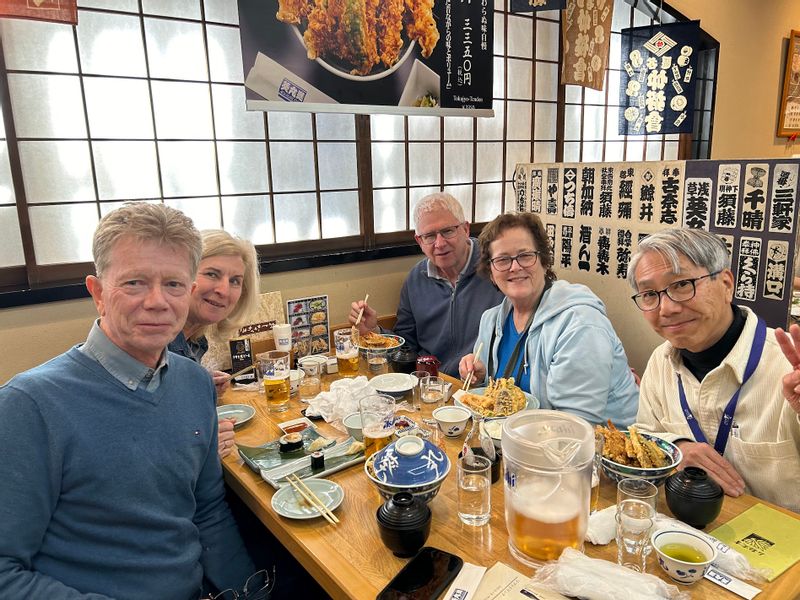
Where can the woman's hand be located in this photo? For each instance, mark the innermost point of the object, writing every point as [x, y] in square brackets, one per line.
[222, 381]
[467, 364]
[225, 437]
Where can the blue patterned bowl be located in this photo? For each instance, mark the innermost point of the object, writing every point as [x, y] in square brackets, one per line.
[655, 475]
[683, 571]
[410, 465]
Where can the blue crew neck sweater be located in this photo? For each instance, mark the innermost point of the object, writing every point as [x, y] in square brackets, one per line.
[109, 492]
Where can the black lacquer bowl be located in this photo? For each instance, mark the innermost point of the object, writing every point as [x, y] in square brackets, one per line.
[404, 523]
[693, 497]
[403, 360]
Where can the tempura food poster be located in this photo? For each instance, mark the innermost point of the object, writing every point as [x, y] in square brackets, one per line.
[310, 325]
[367, 56]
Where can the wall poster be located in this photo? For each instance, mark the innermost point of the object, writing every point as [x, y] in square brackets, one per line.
[429, 57]
[596, 214]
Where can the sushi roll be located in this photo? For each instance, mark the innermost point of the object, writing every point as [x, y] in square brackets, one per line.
[290, 442]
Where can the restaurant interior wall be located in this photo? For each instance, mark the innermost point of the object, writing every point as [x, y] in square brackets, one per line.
[44, 330]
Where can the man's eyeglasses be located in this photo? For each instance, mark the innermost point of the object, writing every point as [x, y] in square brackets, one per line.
[447, 233]
[257, 587]
[678, 291]
[524, 260]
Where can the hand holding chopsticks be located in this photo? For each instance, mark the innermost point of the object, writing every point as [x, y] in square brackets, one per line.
[312, 498]
[468, 378]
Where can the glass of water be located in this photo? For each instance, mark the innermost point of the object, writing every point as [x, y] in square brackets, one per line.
[635, 518]
[474, 489]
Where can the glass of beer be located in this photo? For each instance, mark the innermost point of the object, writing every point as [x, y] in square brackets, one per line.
[346, 353]
[377, 421]
[599, 442]
[274, 366]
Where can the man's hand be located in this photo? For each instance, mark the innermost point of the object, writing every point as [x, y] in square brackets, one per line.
[225, 437]
[696, 454]
[790, 345]
[467, 364]
[369, 320]
[222, 381]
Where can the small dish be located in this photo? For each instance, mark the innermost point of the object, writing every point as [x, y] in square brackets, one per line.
[242, 413]
[288, 503]
[671, 543]
[394, 384]
[295, 425]
[452, 419]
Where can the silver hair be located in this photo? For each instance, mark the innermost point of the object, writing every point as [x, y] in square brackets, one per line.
[438, 201]
[702, 248]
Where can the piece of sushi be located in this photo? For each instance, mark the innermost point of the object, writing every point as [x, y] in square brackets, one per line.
[290, 442]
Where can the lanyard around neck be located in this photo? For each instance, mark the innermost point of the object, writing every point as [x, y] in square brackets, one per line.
[727, 416]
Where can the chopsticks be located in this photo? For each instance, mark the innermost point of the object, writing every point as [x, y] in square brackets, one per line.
[312, 498]
[242, 372]
[361, 312]
[468, 378]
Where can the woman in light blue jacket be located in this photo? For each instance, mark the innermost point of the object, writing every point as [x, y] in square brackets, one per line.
[553, 337]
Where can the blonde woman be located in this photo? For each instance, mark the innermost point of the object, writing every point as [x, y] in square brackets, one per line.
[225, 295]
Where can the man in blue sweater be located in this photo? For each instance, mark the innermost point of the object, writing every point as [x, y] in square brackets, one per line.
[111, 484]
[443, 298]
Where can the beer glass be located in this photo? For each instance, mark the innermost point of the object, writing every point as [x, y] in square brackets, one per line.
[547, 457]
[377, 422]
[346, 353]
[274, 366]
[599, 442]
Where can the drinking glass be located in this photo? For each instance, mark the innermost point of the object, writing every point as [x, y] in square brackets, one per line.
[599, 442]
[274, 366]
[310, 385]
[417, 390]
[377, 422]
[474, 489]
[376, 360]
[635, 519]
[346, 352]
[432, 391]
[637, 489]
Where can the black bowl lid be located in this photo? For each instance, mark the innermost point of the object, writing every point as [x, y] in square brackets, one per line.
[403, 511]
[693, 482]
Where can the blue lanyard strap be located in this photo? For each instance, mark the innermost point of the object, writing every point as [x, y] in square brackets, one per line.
[727, 416]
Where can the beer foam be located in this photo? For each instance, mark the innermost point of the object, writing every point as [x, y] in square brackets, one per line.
[546, 501]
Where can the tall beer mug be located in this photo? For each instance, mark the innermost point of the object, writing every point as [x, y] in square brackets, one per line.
[548, 480]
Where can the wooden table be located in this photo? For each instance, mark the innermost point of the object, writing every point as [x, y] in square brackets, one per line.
[350, 561]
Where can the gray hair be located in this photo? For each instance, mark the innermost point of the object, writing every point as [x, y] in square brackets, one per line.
[701, 247]
[145, 222]
[438, 201]
[217, 242]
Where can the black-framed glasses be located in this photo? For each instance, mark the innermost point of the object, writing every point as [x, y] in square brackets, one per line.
[447, 233]
[257, 587]
[524, 260]
[677, 291]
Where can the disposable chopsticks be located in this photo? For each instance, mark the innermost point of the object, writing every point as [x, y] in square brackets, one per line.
[242, 372]
[312, 498]
[361, 312]
[468, 379]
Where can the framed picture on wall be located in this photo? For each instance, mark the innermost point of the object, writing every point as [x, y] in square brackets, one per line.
[789, 112]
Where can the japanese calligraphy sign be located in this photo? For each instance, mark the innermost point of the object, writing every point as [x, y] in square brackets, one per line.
[586, 35]
[595, 215]
[416, 57]
[657, 82]
[536, 5]
[59, 11]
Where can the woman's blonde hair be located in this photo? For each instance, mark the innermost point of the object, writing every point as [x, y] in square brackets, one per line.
[217, 242]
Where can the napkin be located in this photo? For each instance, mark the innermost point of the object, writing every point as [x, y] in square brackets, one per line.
[340, 400]
[575, 574]
[602, 526]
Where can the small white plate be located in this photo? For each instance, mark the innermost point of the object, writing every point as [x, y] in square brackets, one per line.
[393, 383]
[286, 501]
[241, 412]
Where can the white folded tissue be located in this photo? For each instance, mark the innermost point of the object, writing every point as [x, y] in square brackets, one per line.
[603, 528]
[342, 399]
[576, 575]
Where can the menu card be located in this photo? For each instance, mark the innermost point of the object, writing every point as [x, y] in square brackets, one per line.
[501, 582]
[309, 320]
[767, 537]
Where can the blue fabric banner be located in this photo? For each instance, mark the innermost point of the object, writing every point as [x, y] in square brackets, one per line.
[657, 82]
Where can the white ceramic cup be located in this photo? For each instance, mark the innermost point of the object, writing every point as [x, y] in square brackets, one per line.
[282, 334]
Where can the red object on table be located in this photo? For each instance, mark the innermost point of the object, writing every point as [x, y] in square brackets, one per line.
[428, 363]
